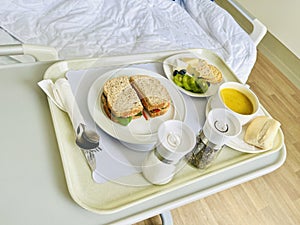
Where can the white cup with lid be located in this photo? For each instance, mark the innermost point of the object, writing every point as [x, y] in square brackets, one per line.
[220, 126]
[175, 140]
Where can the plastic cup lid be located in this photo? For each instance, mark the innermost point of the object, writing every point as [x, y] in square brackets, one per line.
[220, 126]
[175, 139]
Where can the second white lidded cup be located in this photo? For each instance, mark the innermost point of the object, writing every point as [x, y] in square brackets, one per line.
[175, 140]
[220, 126]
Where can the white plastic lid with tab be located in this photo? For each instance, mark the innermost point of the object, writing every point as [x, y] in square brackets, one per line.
[220, 126]
[175, 139]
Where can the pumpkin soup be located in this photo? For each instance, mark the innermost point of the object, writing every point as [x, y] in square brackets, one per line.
[236, 101]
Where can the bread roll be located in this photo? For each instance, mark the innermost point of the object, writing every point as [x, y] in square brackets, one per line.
[261, 132]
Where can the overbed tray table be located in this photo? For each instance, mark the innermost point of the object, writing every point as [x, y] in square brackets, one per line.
[31, 165]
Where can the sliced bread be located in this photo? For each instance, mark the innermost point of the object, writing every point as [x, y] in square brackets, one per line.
[152, 93]
[122, 100]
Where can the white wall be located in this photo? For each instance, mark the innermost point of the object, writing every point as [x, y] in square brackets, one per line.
[281, 17]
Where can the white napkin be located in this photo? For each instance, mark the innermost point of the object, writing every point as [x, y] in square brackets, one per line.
[61, 95]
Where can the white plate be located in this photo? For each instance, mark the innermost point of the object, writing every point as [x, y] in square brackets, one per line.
[169, 63]
[139, 131]
[238, 142]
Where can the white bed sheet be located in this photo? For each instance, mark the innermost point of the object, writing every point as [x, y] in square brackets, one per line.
[91, 28]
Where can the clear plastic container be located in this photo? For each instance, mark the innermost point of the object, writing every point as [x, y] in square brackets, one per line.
[175, 140]
[219, 127]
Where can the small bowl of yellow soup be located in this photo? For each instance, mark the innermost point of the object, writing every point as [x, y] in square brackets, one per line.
[237, 98]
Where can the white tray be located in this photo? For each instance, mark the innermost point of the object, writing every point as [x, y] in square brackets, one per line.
[231, 168]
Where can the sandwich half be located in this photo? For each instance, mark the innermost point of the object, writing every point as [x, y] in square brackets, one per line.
[120, 101]
[154, 96]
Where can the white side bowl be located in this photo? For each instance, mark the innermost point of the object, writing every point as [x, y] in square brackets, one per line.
[217, 101]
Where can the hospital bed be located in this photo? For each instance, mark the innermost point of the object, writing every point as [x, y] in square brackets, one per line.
[186, 24]
[107, 28]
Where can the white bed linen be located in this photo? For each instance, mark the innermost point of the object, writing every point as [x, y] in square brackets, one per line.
[90, 28]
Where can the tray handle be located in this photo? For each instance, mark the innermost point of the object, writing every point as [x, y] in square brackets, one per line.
[39, 52]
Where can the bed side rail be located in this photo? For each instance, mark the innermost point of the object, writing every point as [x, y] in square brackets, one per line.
[259, 29]
[40, 53]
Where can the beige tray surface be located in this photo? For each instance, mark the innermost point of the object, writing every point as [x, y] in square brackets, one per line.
[111, 197]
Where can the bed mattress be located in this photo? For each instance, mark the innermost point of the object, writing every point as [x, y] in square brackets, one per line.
[91, 28]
